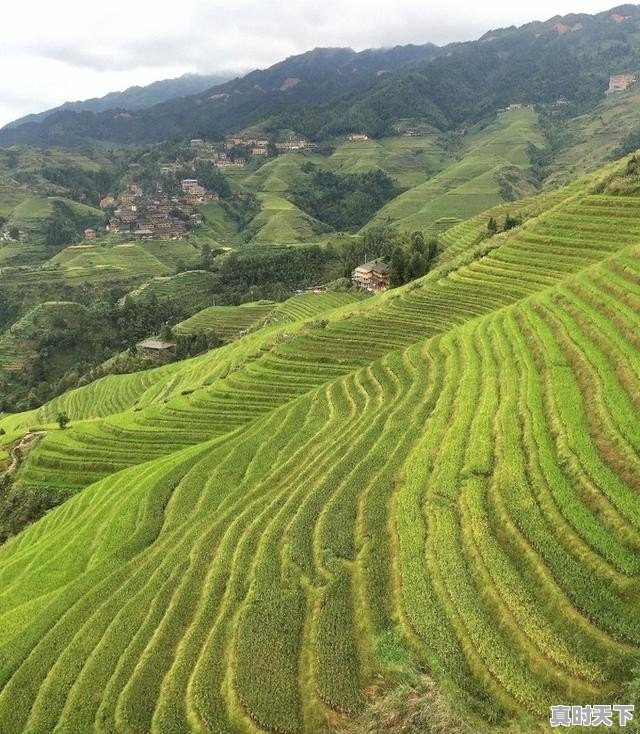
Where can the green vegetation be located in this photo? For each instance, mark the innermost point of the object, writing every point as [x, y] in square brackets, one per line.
[229, 322]
[285, 533]
[471, 184]
[344, 201]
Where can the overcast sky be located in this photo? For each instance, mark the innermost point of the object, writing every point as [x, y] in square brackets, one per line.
[52, 52]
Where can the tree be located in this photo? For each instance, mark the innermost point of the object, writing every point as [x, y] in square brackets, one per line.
[432, 248]
[206, 258]
[166, 333]
[398, 267]
[416, 267]
[177, 213]
[60, 232]
[510, 222]
[492, 226]
[417, 242]
[63, 420]
[14, 233]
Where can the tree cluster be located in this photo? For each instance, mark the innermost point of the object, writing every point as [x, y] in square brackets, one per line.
[343, 201]
[411, 258]
[509, 223]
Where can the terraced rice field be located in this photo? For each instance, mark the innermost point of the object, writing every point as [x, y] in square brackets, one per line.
[409, 160]
[230, 322]
[470, 185]
[192, 289]
[280, 221]
[449, 472]
[19, 343]
[310, 305]
[80, 261]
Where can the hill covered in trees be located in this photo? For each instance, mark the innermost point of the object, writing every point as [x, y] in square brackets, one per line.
[335, 91]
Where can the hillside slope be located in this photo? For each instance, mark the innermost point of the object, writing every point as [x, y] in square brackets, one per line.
[307, 509]
[471, 184]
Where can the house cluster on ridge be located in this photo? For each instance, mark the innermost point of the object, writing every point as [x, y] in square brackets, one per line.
[159, 215]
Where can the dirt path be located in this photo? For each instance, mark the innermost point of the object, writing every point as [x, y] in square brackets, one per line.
[19, 451]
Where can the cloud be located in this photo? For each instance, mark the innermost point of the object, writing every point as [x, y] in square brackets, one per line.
[73, 49]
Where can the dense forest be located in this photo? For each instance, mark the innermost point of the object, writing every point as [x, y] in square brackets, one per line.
[343, 201]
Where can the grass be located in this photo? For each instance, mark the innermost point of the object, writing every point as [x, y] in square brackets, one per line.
[230, 322]
[590, 140]
[279, 221]
[441, 478]
[469, 185]
[411, 161]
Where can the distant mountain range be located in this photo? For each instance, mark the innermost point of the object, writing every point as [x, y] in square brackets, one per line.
[134, 98]
[329, 91]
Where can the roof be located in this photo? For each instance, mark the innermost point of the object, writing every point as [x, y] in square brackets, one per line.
[380, 268]
[155, 344]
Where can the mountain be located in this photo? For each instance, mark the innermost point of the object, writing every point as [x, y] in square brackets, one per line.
[133, 98]
[326, 92]
[317, 76]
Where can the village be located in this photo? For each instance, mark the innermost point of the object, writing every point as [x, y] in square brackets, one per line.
[160, 215]
[156, 215]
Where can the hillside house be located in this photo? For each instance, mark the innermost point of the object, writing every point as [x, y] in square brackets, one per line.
[157, 349]
[287, 146]
[106, 202]
[128, 200]
[373, 277]
[190, 184]
[89, 234]
[128, 216]
[620, 82]
[168, 168]
[357, 137]
[195, 195]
